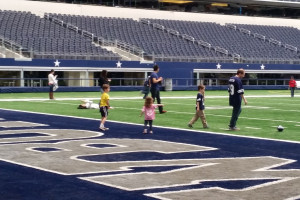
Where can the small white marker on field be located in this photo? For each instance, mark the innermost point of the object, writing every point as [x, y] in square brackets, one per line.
[253, 128]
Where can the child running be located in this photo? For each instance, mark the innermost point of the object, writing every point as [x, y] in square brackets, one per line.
[149, 111]
[104, 106]
[199, 108]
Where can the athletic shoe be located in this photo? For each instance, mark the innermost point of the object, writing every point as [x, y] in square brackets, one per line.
[190, 126]
[234, 129]
[205, 126]
[162, 112]
[103, 128]
[151, 132]
[145, 131]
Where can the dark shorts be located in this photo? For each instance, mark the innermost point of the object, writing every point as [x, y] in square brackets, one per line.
[104, 111]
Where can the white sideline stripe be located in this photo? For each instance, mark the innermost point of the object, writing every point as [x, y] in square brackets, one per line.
[252, 127]
[163, 127]
[116, 98]
[190, 113]
[225, 129]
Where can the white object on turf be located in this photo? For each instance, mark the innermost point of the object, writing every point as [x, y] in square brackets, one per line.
[280, 128]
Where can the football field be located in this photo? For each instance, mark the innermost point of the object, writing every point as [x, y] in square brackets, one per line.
[49, 149]
[266, 110]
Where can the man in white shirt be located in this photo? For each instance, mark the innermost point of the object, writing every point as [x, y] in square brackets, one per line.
[51, 82]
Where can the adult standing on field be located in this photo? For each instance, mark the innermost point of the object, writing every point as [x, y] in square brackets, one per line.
[292, 85]
[155, 80]
[51, 82]
[236, 94]
[103, 80]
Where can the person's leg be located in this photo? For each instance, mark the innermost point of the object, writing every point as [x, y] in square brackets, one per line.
[145, 126]
[103, 119]
[147, 92]
[235, 115]
[194, 119]
[51, 91]
[292, 91]
[104, 114]
[203, 118]
[150, 126]
[153, 94]
[160, 108]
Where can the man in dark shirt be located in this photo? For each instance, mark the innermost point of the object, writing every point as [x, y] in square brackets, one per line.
[236, 94]
[154, 79]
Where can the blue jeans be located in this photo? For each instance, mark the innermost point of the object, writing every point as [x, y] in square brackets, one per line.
[51, 87]
[236, 111]
[292, 91]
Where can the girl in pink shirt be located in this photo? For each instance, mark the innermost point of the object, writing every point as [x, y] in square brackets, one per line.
[149, 111]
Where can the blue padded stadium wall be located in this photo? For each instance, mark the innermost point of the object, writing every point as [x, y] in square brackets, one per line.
[174, 70]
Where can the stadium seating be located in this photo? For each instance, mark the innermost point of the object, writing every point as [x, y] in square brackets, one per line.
[79, 37]
[153, 42]
[236, 41]
[288, 36]
[44, 39]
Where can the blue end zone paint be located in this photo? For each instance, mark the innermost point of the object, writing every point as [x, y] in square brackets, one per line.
[18, 135]
[46, 149]
[19, 182]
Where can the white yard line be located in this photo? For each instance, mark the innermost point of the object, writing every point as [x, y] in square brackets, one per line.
[256, 128]
[122, 98]
[188, 113]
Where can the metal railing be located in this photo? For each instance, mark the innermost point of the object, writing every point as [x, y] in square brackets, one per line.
[75, 82]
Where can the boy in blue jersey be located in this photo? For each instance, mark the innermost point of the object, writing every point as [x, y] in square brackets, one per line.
[154, 87]
[199, 108]
[236, 94]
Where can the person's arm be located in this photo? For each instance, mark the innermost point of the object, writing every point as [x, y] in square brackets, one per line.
[107, 102]
[245, 100]
[157, 80]
[142, 112]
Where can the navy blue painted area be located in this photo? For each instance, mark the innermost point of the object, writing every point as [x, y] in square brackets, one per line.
[23, 183]
[18, 135]
[40, 63]
[18, 181]
[46, 149]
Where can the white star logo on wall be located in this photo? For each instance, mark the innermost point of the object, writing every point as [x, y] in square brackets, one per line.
[56, 63]
[119, 64]
[218, 66]
[262, 67]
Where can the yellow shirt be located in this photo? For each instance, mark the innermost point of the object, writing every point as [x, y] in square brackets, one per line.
[104, 99]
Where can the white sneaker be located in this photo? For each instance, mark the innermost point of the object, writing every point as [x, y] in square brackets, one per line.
[103, 128]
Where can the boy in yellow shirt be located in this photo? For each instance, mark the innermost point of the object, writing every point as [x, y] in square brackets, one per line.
[104, 106]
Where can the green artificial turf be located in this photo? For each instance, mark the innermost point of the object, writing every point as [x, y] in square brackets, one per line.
[259, 118]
